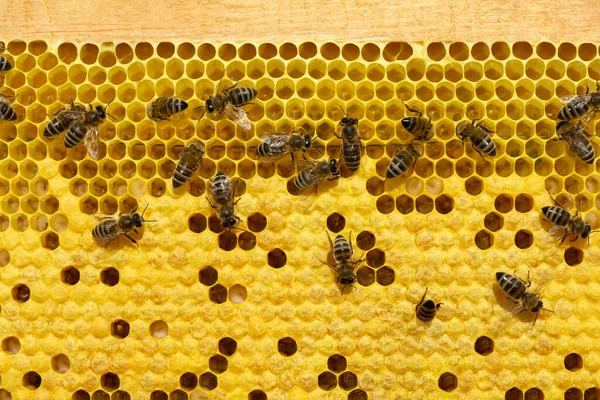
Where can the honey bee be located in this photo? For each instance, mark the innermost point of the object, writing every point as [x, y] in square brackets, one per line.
[164, 107]
[63, 118]
[114, 226]
[515, 289]
[479, 135]
[578, 142]
[403, 160]
[351, 146]
[221, 197]
[345, 264]
[4, 63]
[315, 172]
[418, 126]
[581, 106]
[279, 145]
[85, 127]
[229, 102]
[7, 113]
[426, 309]
[562, 219]
[189, 162]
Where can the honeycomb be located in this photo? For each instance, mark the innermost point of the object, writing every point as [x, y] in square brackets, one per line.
[199, 313]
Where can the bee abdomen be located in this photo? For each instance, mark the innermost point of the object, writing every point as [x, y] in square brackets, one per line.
[56, 127]
[106, 230]
[486, 146]
[182, 174]
[242, 95]
[7, 113]
[426, 311]
[398, 166]
[512, 286]
[303, 180]
[4, 64]
[557, 215]
[266, 150]
[341, 249]
[589, 157]
[75, 135]
[570, 111]
[176, 105]
[221, 188]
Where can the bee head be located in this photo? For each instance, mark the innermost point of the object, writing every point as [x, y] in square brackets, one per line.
[538, 307]
[333, 166]
[406, 122]
[228, 223]
[586, 231]
[101, 112]
[307, 141]
[347, 281]
[347, 121]
[137, 220]
[210, 107]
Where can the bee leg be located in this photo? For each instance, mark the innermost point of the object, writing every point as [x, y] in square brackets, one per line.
[564, 237]
[528, 280]
[480, 153]
[130, 238]
[412, 109]
[422, 299]
[438, 305]
[334, 178]
[210, 203]
[293, 160]
[575, 239]
[513, 300]
[304, 155]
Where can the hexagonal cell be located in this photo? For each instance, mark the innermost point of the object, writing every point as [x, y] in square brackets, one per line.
[513, 394]
[159, 329]
[257, 395]
[208, 381]
[365, 276]
[102, 395]
[60, 363]
[69, 275]
[188, 381]
[573, 256]
[218, 364]
[404, 204]
[493, 222]
[197, 223]
[573, 394]
[88, 205]
[276, 258]
[385, 204]
[444, 204]
[119, 329]
[484, 345]
[11, 345]
[375, 258]
[385, 276]
[503, 203]
[573, 362]
[32, 380]
[590, 394]
[208, 276]
[447, 382]
[327, 381]
[523, 239]
[484, 240]
[336, 222]
[227, 240]
[424, 204]
[110, 381]
[218, 294]
[348, 380]
[109, 276]
[227, 346]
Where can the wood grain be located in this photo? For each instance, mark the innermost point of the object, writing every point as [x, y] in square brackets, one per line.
[254, 20]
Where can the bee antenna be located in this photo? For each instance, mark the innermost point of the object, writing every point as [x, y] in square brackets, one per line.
[203, 108]
[341, 108]
[145, 208]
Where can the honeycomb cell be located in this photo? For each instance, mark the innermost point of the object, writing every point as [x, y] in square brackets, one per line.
[365, 276]
[159, 329]
[50, 241]
[11, 345]
[385, 276]
[70, 275]
[227, 346]
[208, 381]
[447, 382]
[109, 276]
[218, 364]
[119, 329]
[348, 380]
[257, 395]
[197, 223]
[60, 363]
[208, 276]
[424, 204]
[573, 394]
[503, 203]
[276, 258]
[591, 394]
[514, 394]
[404, 204]
[573, 256]
[227, 241]
[110, 381]
[484, 240]
[385, 204]
[32, 380]
[444, 204]
[523, 239]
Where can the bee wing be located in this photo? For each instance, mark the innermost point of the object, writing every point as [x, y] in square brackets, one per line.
[277, 141]
[577, 99]
[104, 217]
[585, 120]
[555, 234]
[239, 116]
[92, 142]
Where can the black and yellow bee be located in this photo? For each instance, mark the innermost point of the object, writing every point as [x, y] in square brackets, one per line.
[426, 310]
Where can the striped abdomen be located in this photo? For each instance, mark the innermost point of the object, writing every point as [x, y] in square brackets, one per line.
[426, 310]
[75, 134]
[485, 145]
[4, 64]
[268, 150]
[584, 149]
[351, 147]
[189, 161]
[304, 179]
[7, 113]
[57, 125]
[164, 107]
[418, 126]
[242, 95]
[106, 230]
[221, 189]
[557, 215]
[182, 174]
[573, 109]
[342, 251]
[512, 286]
[399, 164]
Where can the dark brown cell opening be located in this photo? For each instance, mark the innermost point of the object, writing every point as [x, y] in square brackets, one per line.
[424, 204]
[276, 258]
[375, 186]
[573, 256]
[484, 345]
[385, 204]
[20, 293]
[404, 204]
[513, 394]
[444, 204]
[214, 224]
[386, 276]
[110, 381]
[79, 395]
[257, 395]
[257, 222]
[287, 346]
[493, 222]
[573, 394]
[484, 240]
[69, 275]
[227, 240]
[337, 363]
[357, 394]
[227, 346]
[503, 203]
[365, 240]
[447, 382]
[573, 362]
[375, 258]
[32, 380]
[365, 276]
[534, 394]
[109, 276]
[177, 395]
[197, 223]
[188, 381]
[336, 222]
[327, 381]
[119, 329]
[208, 381]
[523, 203]
[218, 294]
[218, 364]
[247, 241]
[590, 394]
[523, 239]
[208, 276]
[348, 380]
[50, 241]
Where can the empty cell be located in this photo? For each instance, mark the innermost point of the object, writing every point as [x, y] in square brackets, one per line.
[57, 76]
[573, 256]
[444, 204]
[116, 75]
[397, 51]
[453, 72]
[348, 380]
[188, 381]
[464, 92]
[24, 62]
[592, 393]
[19, 223]
[227, 241]
[337, 363]
[207, 51]
[424, 91]
[32, 380]
[475, 110]
[110, 381]
[88, 205]
[513, 394]
[573, 185]
[156, 68]
[67, 52]
[385, 204]
[576, 71]
[434, 73]
[218, 363]
[98, 187]
[415, 69]
[135, 71]
[159, 329]
[563, 166]
[246, 241]
[194, 69]
[424, 204]
[523, 167]
[573, 394]
[276, 258]
[217, 294]
[330, 51]
[504, 167]
[493, 70]
[523, 239]
[257, 395]
[447, 382]
[484, 240]
[534, 69]
[437, 50]
[555, 69]
[515, 109]
[455, 111]
[445, 91]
